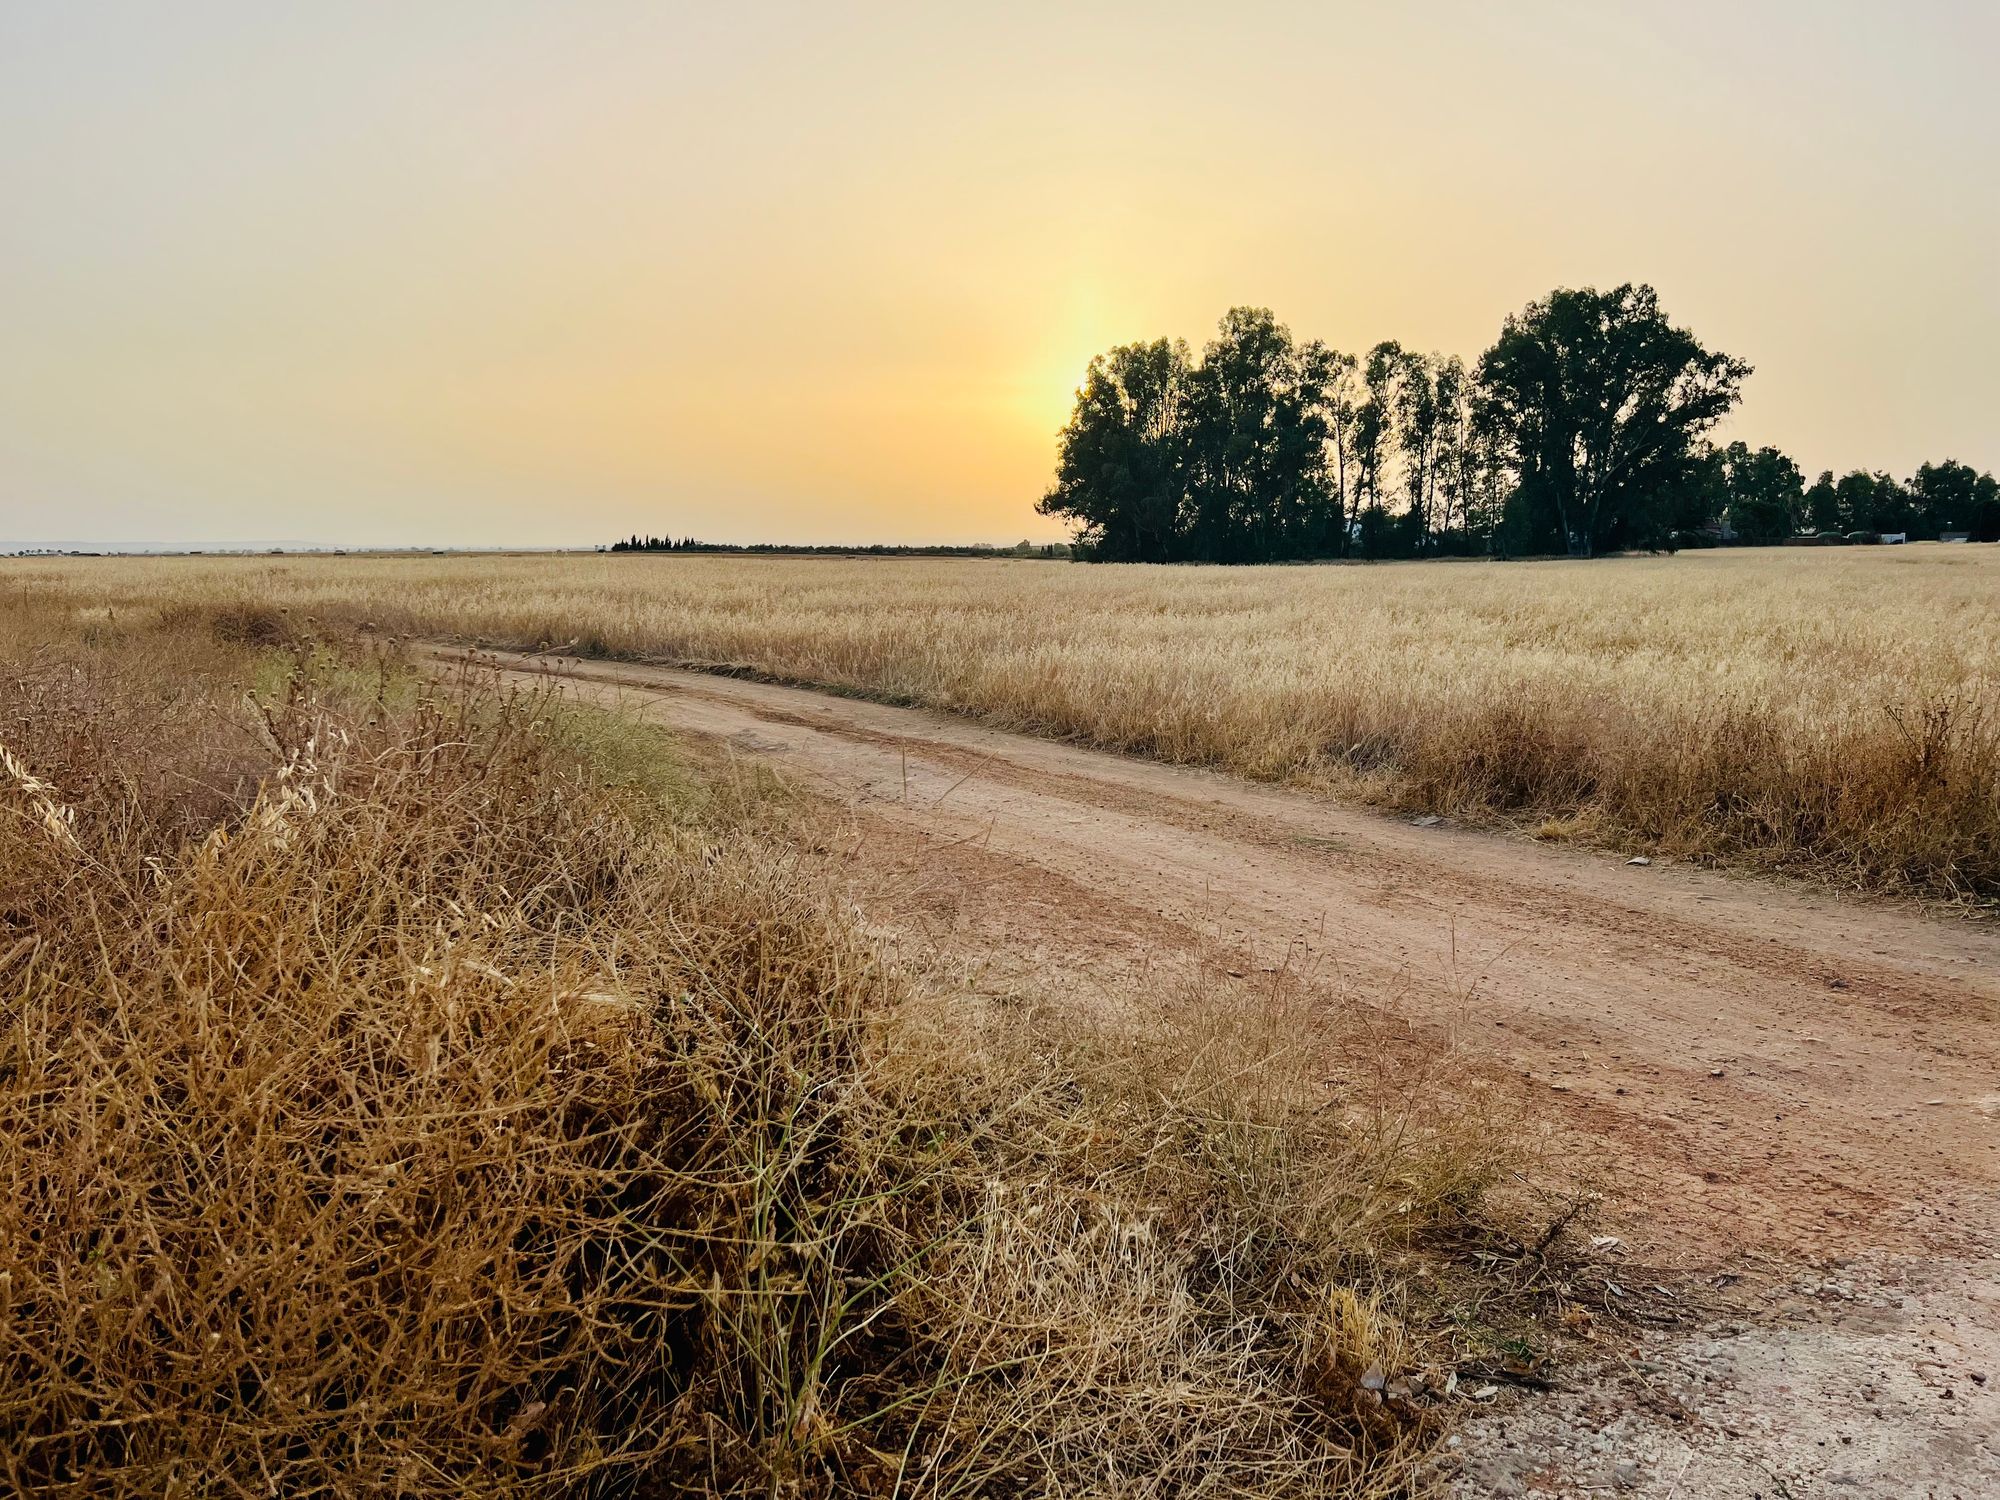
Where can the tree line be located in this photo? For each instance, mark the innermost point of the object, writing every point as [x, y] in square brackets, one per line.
[1584, 429]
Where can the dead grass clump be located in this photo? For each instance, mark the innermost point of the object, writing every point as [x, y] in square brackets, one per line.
[243, 623]
[444, 1119]
[386, 1135]
[1903, 797]
[1182, 1263]
[1517, 755]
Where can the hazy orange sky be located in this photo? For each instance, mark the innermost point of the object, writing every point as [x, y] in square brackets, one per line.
[496, 273]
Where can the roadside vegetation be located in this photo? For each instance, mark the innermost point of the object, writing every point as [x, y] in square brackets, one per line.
[418, 1088]
[1829, 713]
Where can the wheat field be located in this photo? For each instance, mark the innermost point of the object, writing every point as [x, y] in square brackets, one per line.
[1830, 711]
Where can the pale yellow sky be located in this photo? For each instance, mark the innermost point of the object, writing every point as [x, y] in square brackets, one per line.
[494, 273]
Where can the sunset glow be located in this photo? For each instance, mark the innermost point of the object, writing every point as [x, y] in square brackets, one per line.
[524, 274]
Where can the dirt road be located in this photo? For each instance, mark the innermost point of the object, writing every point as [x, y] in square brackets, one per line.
[1756, 1074]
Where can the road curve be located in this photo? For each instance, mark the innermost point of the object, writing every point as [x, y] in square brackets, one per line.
[1761, 1078]
[1766, 1067]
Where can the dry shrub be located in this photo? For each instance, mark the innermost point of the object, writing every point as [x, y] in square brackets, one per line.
[302, 1185]
[444, 1120]
[245, 622]
[1185, 1265]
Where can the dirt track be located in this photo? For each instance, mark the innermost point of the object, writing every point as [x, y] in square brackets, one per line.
[1750, 1070]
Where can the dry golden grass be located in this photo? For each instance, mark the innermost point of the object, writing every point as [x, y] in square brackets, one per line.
[1831, 711]
[423, 1091]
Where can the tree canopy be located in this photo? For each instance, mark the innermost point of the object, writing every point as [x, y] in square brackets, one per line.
[1596, 403]
[1763, 492]
[1264, 448]
[1587, 427]
[1119, 462]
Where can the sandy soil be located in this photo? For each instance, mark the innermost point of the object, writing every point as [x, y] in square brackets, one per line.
[1791, 1101]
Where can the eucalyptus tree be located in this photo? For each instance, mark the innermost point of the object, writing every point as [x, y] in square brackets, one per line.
[1340, 402]
[1457, 456]
[1374, 438]
[1120, 460]
[1822, 504]
[1766, 492]
[1598, 404]
[1256, 444]
[1952, 496]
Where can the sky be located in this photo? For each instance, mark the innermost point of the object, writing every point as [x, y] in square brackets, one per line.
[437, 273]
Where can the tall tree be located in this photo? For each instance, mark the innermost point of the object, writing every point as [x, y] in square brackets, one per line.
[1323, 401]
[1118, 461]
[1695, 501]
[1417, 415]
[1766, 492]
[1983, 525]
[1454, 459]
[1874, 502]
[1256, 448]
[1952, 496]
[1823, 504]
[1374, 434]
[1488, 487]
[1339, 386]
[1598, 404]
